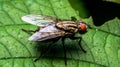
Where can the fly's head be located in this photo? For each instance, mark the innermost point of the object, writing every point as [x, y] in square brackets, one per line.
[82, 27]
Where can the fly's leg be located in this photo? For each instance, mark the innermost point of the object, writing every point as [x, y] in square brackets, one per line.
[73, 19]
[32, 30]
[79, 43]
[45, 50]
[63, 43]
[29, 30]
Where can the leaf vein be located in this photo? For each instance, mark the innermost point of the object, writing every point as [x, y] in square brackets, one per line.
[18, 41]
[105, 50]
[6, 48]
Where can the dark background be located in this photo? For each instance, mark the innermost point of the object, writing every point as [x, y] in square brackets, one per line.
[101, 11]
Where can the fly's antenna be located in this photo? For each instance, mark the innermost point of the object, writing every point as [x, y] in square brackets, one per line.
[89, 26]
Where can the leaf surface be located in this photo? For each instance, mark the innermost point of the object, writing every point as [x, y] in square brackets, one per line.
[101, 43]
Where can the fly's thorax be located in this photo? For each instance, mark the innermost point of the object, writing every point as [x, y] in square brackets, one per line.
[82, 27]
[68, 26]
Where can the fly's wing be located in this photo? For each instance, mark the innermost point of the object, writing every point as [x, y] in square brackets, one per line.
[46, 33]
[44, 36]
[39, 20]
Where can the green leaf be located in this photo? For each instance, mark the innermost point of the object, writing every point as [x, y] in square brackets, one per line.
[115, 1]
[101, 43]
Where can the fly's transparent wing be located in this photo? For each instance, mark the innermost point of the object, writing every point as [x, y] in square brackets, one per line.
[42, 36]
[39, 20]
[49, 28]
[46, 33]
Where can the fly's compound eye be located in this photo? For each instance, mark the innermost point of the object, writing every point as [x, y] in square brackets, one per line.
[82, 27]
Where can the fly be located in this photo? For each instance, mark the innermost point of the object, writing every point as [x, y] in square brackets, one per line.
[53, 28]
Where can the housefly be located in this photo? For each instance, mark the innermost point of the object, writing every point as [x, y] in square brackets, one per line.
[51, 28]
